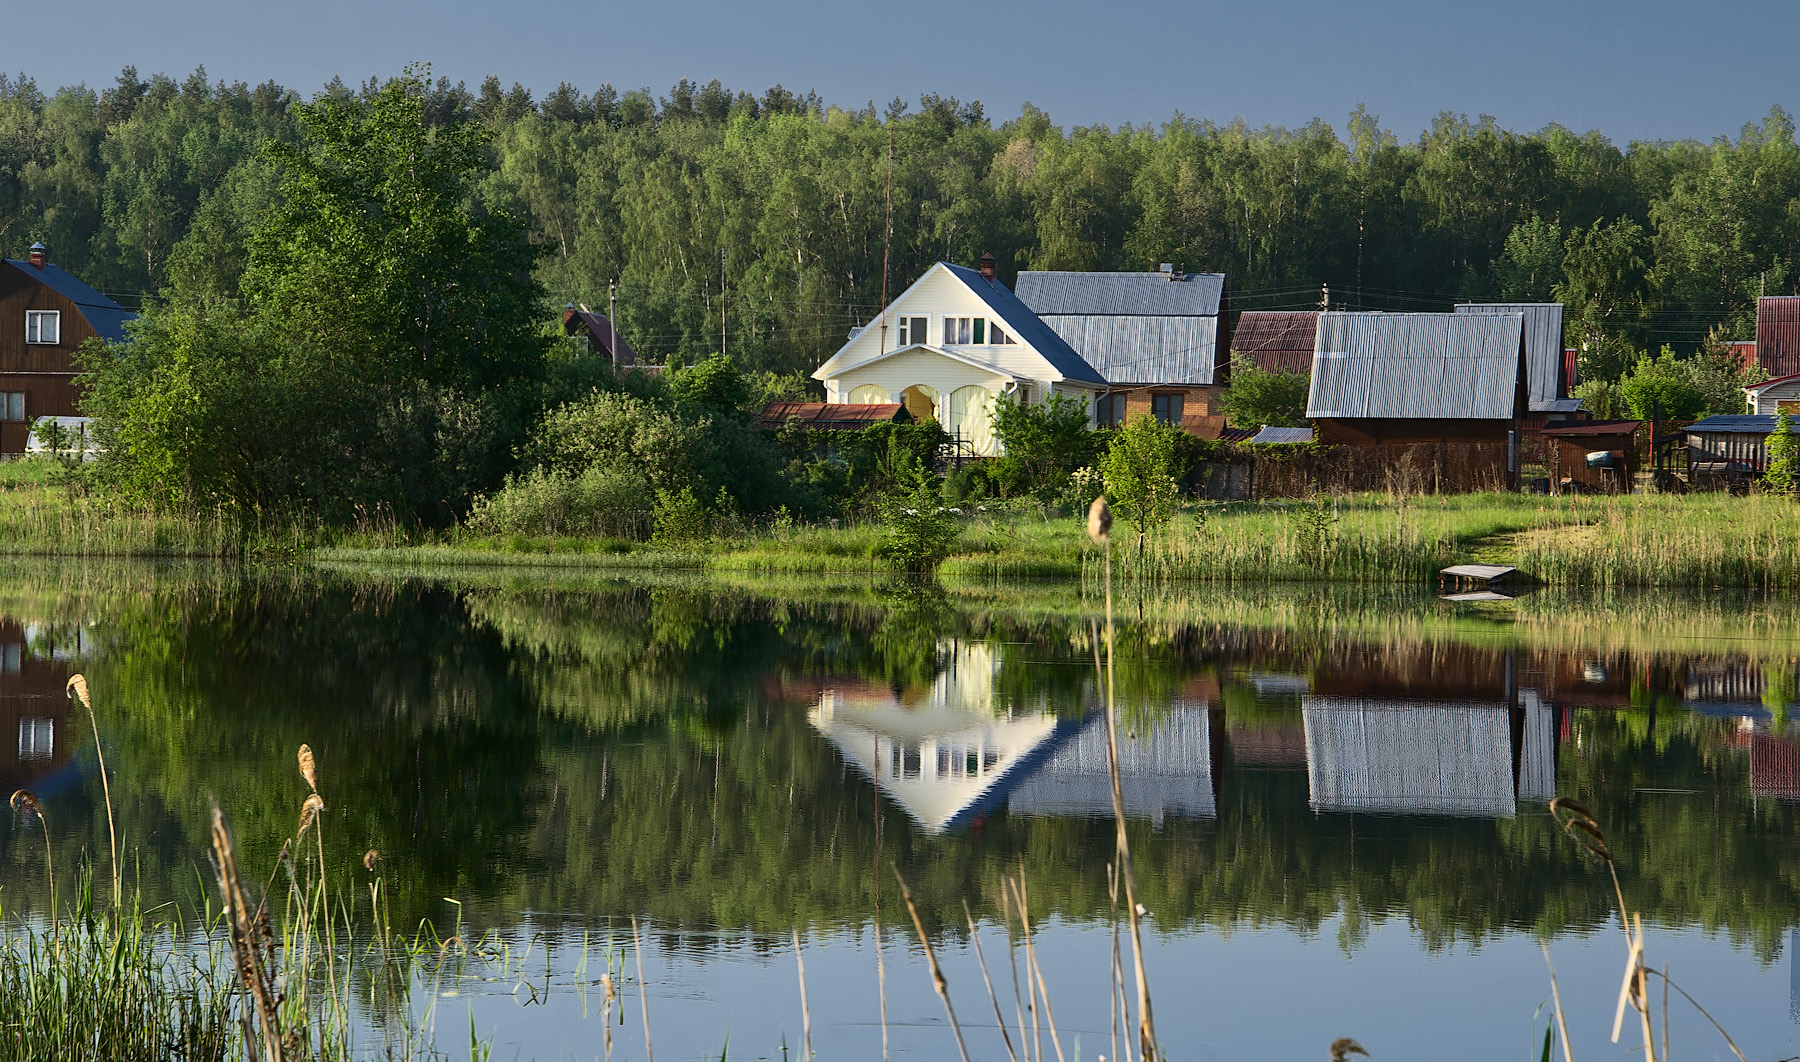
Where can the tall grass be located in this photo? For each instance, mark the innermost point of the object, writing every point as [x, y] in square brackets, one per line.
[1666, 540]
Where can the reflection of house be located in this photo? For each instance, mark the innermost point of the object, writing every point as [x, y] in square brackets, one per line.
[35, 707]
[1161, 340]
[1428, 757]
[938, 753]
[1167, 769]
[1774, 766]
[953, 344]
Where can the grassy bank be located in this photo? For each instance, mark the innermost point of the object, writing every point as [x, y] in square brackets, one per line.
[1643, 541]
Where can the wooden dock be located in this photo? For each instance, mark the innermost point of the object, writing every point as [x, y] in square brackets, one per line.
[1481, 575]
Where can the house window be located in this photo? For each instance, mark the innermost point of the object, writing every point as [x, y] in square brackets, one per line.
[979, 335]
[37, 738]
[912, 330]
[1166, 409]
[1109, 410]
[963, 330]
[43, 326]
[12, 405]
[998, 335]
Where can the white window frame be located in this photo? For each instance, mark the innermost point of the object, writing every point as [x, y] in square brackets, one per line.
[999, 337]
[34, 327]
[959, 331]
[914, 329]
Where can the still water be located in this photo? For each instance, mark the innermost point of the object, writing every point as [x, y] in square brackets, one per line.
[1337, 800]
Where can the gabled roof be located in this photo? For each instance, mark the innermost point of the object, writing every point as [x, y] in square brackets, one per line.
[1277, 340]
[1416, 366]
[106, 317]
[1026, 325]
[600, 332]
[1006, 308]
[1759, 388]
[1134, 328]
[1122, 294]
[1543, 348]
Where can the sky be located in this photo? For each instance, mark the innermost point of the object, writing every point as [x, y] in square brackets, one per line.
[1653, 69]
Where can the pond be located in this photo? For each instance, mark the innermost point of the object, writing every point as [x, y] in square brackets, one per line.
[1337, 799]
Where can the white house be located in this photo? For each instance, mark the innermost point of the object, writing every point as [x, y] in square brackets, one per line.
[952, 345]
[1769, 397]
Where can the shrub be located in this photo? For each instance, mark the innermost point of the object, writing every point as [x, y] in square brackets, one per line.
[680, 518]
[1783, 473]
[609, 502]
[1041, 443]
[1258, 396]
[1143, 474]
[1663, 379]
[920, 529]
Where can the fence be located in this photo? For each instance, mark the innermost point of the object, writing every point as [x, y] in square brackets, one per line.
[1448, 467]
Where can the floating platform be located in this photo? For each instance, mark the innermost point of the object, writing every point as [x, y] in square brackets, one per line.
[1476, 595]
[1480, 573]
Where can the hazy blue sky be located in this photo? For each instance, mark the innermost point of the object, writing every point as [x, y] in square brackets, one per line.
[1651, 69]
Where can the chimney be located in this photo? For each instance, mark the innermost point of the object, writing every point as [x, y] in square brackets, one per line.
[36, 257]
[987, 266]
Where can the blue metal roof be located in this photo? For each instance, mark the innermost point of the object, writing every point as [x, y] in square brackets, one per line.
[1746, 423]
[1028, 326]
[106, 317]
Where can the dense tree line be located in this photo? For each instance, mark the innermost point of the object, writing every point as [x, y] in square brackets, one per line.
[761, 216]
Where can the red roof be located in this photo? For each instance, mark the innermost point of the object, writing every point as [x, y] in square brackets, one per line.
[1778, 334]
[1594, 428]
[830, 416]
[1277, 340]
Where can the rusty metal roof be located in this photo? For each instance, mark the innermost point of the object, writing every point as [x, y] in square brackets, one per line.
[1277, 340]
[1593, 429]
[830, 416]
[1778, 334]
[1416, 366]
[1543, 348]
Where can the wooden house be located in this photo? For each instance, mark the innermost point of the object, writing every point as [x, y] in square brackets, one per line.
[46, 314]
[1773, 396]
[1732, 447]
[1277, 340]
[596, 336]
[951, 346]
[1412, 377]
[1162, 341]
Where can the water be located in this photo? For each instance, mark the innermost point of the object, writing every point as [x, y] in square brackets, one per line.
[1337, 798]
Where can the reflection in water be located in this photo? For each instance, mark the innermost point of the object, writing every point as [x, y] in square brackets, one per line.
[34, 705]
[1166, 770]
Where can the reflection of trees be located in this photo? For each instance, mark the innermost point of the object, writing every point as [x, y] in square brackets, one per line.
[647, 751]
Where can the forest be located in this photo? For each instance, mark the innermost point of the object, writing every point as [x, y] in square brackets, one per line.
[755, 220]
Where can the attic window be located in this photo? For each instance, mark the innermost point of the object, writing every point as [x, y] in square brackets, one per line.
[912, 330]
[43, 326]
[998, 335]
[963, 331]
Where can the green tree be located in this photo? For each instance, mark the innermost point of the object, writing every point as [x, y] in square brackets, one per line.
[1143, 474]
[1259, 396]
[1783, 473]
[1662, 379]
[1042, 444]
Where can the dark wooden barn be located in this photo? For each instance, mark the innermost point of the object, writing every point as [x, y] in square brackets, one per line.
[46, 314]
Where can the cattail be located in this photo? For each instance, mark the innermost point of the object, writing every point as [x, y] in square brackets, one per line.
[370, 858]
[308, 770]
[1100, 520]
[309, 812]
[24, 801]
[1343, 1047]
[77, 686]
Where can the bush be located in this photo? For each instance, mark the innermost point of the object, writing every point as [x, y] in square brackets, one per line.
[920, 529]
[607, 502]
[1662, 379]
[1143, 474]
[1258, 396]
[1784, 456]
[1041, 444]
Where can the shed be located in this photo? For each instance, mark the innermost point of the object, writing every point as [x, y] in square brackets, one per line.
[1161, 340]
[1778, 334]
[1731, 446]
[830, 416]
[1572, 443]
[1545, 379]
[1277, 340]
[1772, 396]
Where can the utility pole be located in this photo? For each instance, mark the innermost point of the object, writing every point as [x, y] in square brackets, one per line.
[721, 299]
[887, 238]
[612, 318]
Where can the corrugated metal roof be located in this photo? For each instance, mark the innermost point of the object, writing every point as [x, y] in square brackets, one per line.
[1543, 348]
[106, 317]
[1283, 435]
[1146, 349]
[1164, 769]
[1778, 334]
[1739, 423]
[1431, 758]
[1277, 340]
[1416, 366]
[1027, 325]
[1136, 294]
